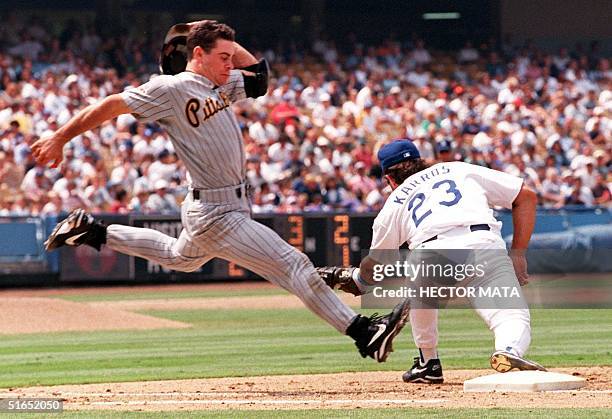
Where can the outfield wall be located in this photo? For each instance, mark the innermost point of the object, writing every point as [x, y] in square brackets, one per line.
[574, 239]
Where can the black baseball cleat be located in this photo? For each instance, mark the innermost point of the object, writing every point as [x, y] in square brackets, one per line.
[428, 373]
[503, 361]
[78, 228]
[374, 335]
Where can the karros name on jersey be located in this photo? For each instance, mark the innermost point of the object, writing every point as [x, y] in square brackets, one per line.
[419, 179]
[209, 108]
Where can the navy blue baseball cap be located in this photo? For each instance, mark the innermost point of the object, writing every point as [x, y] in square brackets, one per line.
[396, 152]
[444, 145]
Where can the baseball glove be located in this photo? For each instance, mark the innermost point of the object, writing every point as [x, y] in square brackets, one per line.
[338, 277]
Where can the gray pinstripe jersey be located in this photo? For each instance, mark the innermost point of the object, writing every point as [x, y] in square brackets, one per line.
[205, 134]
[199, 121]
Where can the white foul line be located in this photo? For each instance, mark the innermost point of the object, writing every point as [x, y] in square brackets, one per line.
[119, 394]
[267, 402]
[176, 394]
[581, 391]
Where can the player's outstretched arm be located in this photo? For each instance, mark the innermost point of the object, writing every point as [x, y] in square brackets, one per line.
[523, 221]
[50, 149]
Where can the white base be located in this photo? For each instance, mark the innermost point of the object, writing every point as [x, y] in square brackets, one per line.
[524, 381]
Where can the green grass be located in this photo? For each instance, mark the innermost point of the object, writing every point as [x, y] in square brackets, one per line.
[411, 412]
[260, 342]
[162, 294]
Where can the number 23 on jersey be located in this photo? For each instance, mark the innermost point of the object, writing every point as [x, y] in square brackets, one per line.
[453, 196]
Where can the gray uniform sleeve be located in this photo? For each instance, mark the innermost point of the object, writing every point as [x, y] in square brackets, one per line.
[150, 101]
[234, 88]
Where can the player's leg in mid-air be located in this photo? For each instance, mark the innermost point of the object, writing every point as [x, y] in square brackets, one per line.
[81, 227]
[236, 237]
[259, 249]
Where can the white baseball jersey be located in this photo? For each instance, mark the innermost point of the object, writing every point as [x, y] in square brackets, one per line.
[437, 200]
[200, 122]
[440, 198]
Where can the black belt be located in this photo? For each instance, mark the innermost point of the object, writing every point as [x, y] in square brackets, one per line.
[196, 193]
[473, 227]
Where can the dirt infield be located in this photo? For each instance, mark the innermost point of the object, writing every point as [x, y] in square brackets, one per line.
[31, 311]
[252, 302]
[37, 315]
[320, 391]
[123, 289]
[37, 311]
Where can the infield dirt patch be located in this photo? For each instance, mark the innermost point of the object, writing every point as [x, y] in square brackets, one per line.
[38, 315]
[40, 311]
[36, 310]
[138, 288]
[251, 302]
[319, 391]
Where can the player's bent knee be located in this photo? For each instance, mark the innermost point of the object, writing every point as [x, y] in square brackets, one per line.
[182, 264]
[302, 274]
[191, 268]
[302, 260]
[306, 284]
[304, 267]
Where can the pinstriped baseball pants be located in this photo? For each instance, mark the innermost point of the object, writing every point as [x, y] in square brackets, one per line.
[227, 231]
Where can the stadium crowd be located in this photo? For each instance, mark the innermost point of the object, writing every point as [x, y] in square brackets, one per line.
[311, 142]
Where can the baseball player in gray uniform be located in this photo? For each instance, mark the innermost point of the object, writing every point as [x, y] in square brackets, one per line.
[447, 206]
[192, 102]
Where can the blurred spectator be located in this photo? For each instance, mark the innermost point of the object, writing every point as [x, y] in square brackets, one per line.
[11, 174]
[139, 203]
[96, 191]
[120, 202]
[316, 204]
[577, 193]
[420, 55]
[35, 183]
[468, 53]
[334, 193]
[359, 182]
[419, 77]
[601, 191]
[280, 151]
[161, 201]
[163, 169]
[261, 130]
[445, 151]
[54, 206]
[309, 186]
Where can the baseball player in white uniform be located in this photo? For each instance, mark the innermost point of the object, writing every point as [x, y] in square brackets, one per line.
[192, 102]
[448, 206]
